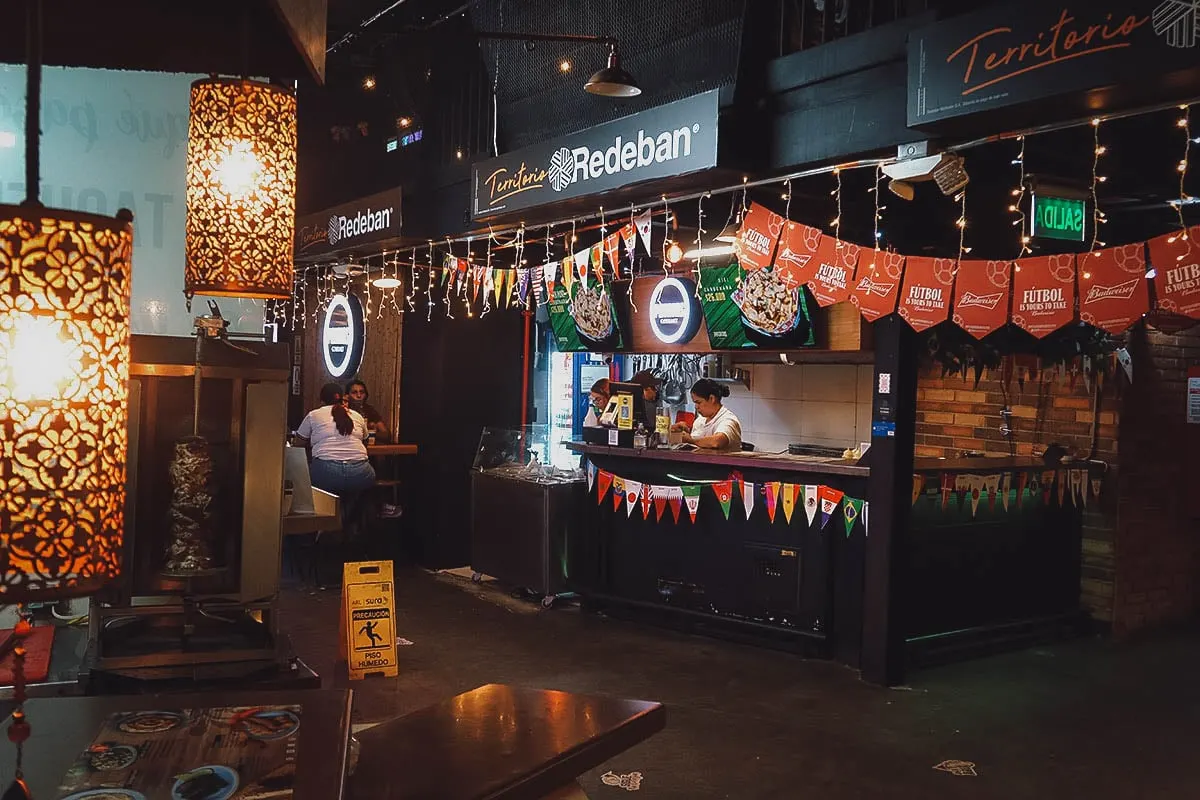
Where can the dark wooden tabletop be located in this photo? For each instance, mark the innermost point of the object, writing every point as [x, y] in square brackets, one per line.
[782, 462]
[498, 742]
[64, 727]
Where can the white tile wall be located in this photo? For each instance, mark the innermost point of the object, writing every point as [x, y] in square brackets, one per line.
[826, 404]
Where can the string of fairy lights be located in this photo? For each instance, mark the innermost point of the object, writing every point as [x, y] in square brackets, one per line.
[520, 287]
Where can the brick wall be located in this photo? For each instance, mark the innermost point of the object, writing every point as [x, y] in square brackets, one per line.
[1158, 536]
[954, 414]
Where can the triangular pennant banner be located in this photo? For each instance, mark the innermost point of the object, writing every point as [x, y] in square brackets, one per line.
[947, 488]
[789, 492]
[603, 481]
[646, 501]
[771, 497]
[629, 236]
[659, 493]
[810, 502]
[1005, 488]
[976, 490]
[550, 275]
[581, 266]
[724, 492]
[1061, 477]
[642, 222]
[866, 517]
[830, 499]
[591, 475]
[675, 500]
[1077, 484]
[633, 495]
[992, 484]
[851, 509]
[568, 273]
[1022, 482]
[748, 497]
[618, 492]
[918, 485]
[1096, 483]
[612, 249]
[691, 496]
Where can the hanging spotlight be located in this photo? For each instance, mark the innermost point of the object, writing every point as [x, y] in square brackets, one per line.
[612, 81]
[386, 282]
[241, 189]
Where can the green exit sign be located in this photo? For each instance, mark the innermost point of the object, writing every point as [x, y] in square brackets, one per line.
[1059, 218]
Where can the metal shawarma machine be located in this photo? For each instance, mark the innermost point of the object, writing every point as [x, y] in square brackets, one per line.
[207, 429]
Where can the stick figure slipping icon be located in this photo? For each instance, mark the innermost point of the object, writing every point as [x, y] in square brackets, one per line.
[368, 630]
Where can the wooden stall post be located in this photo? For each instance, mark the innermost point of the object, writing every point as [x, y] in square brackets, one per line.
[889, 492]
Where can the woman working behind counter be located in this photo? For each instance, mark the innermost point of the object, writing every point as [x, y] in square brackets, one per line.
[715, 427]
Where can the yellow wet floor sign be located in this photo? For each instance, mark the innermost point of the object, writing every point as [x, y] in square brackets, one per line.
[368, 619]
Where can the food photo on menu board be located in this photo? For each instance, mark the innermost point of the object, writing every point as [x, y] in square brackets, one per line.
[583, 317]
[754, 308]
[242, 753]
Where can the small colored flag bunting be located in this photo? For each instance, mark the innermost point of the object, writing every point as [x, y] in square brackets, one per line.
[568, 273]
[748, 490]
[975, 489]
[646, 501]
[791, 493]
[603, 481]
[724, 492]
[962, 487]
[1022, 482]
[1077, 484]
[1061, 477]
[810, 502]
[992, 484]
[851, 509]
[866, 518]
[642, 222]
[1096, 483]
[771, 497]
[591, 475]
[633, 495]
[675, 500]
[691, 496]
[659, 493]
[618, 492]
[918, 486]
[1005, 488]
[629, 236]
[947, 488]
[612, 249]
[830, 500]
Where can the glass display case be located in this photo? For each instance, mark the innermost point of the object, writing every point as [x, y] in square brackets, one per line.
[524, 454]
[524, 510]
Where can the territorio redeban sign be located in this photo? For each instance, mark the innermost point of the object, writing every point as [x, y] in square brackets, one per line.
[365, 221]
[665, 141]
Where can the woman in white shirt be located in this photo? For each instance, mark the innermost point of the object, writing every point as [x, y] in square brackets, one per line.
[715, 427]
[336, 433]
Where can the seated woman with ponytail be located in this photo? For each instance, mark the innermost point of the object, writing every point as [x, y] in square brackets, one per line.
[715, 427]
[336, 434]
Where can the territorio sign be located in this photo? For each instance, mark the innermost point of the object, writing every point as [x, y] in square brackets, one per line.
[371, 219]
[674, 311]
[659, 142]
[343, 336]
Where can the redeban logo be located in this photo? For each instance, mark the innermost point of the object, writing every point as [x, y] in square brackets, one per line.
[568, 165]
[674, 318]
[342, 335]
[342, 227]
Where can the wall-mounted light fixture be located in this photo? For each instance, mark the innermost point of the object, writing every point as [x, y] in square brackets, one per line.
[241, 189]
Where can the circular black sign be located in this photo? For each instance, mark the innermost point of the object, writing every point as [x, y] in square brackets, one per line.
[343, 335]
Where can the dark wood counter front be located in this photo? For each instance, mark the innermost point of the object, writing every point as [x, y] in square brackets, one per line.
[775, 462]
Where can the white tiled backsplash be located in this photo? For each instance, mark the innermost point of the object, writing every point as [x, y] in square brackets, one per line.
[825, 404]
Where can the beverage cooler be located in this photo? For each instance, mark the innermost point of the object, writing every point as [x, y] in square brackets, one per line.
[570, 378]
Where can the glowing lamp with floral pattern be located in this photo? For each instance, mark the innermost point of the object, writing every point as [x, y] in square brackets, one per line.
[241, 189]
[64, 373]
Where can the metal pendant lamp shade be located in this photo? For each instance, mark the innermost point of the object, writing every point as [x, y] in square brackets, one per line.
[241, 189]
[612, 81]
[64, 373]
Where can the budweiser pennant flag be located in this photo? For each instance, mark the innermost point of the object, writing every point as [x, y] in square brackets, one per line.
[633, 495]
[612, 249]
[833, 278]
[724, 492]
[691, 496]
[660, 494]
[796, 262]
[810, 502]
[830, 499]
[1044, 293]
[991, 484]
[591, 475]
[771, 497]
[877, 285]
[1176, 258]
[758, 236]
[618, 492]
[918, 485]
[1113, 291]
[925, 298]
[981, 296]
[851, 510]
[629, 236]
[603, 481]
[646, 501]
[675, 501]
[642, 223]
[789, 501]
[947, 488]
[748, 490]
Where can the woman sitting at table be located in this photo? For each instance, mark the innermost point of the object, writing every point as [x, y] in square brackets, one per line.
[336, 434]
[715, 427]
[356, 395]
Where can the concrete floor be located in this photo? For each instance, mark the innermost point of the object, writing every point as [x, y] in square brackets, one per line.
[1081, 719]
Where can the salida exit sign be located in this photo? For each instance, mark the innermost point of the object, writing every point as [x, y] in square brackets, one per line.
[1059, 217]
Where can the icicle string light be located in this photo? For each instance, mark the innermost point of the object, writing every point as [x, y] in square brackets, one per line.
[1097, 179]
[1018, 204]
[429, 286]
[962, 229]
[836, 223]
[700, 231]
[1185, 124]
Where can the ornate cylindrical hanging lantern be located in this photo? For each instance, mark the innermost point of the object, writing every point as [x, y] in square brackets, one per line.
[64, 373]
[241, 189]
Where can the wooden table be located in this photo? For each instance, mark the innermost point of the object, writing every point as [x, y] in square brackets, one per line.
[501, 743]
[64, 727]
